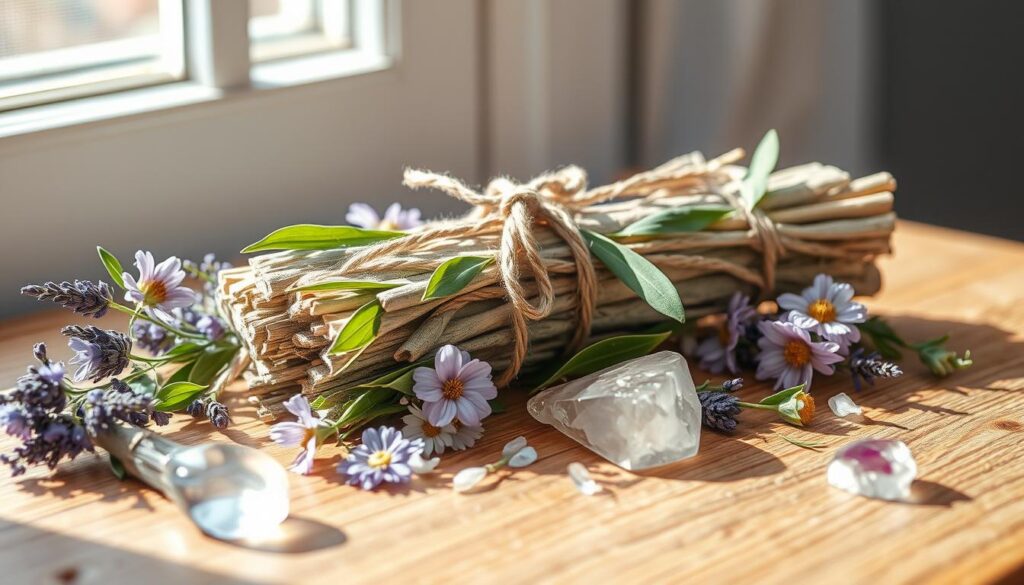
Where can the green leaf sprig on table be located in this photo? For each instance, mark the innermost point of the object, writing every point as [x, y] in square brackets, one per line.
[931, 352]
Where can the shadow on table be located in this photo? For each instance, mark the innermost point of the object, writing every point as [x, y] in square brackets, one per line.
[33, 555]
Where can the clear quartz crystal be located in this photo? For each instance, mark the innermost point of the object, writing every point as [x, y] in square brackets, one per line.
[638, 414]
[230, 491]
[874, 468]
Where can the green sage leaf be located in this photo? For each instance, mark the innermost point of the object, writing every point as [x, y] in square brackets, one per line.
[182, 352]
[361, 328]
[606, 353]
[359, 285]
[691, 218]
[399, 380]
[782, 395]
[177, 395]
[210, 363]
[113, 266]
[117, 468]
[354, 409]
[642, 277]
[497, 405]
[762, 163]
[319, 237]
[143, 385]
[454, 275]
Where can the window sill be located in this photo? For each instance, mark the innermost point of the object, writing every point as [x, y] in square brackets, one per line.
[56, 118]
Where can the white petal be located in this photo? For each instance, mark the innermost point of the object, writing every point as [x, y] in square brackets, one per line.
[513, 446]
[581, 479]
[524, 457]
[420, 465]
[468, 478]
[842, 405]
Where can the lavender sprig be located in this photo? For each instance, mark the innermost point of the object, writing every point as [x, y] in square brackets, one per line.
[719, 410]
[82, 296]
[865, 368]
[215, 411]
[99, 352]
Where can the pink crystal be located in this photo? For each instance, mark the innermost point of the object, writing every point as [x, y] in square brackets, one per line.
[874, 468]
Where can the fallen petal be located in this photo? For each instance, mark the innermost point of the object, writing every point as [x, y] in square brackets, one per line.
[524, 457]
[468, 478]
[581, 479]
[419, 465]
[842, 405]
[513, 446]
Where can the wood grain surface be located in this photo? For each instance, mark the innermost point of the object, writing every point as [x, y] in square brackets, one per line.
[750, 508]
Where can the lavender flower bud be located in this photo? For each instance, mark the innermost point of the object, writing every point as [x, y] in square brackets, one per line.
[732, 385]
[719, 410]
[100, 353]
[868, 367]
[82, 296]
[39, 351]
[218, 414]
[196, 408]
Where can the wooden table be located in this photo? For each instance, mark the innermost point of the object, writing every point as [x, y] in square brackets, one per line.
[749, 508]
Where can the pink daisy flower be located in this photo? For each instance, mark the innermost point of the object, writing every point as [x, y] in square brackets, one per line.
[788, 354]
[301, 432]
[159, 285]
[457, 387]
[395, 218]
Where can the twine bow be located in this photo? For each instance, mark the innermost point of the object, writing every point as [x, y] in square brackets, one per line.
[551, 200]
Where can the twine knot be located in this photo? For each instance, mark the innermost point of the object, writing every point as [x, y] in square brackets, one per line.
[546, 200]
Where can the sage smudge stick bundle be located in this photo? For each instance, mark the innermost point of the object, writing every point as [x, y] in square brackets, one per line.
[534, 270]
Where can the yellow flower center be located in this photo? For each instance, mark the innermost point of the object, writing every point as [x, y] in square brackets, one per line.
[796, 353]
[430, 431]
[387, 225]
[452, 389]
[806, 408]
[154, 291]
[379, 459]
[822, 310]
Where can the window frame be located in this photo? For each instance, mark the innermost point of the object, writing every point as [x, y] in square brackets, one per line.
[98, 68]
[216, 64]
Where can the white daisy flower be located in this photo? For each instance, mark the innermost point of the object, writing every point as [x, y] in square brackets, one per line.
[435, 439]
[826, 308]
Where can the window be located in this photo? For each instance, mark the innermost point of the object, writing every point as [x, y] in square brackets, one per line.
[287, 28]
[58, 49]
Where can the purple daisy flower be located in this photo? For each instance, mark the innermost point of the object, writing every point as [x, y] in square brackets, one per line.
[826, 308]
[301, 432]
[457, 387]
[788, 354]
[159, 285]
[395, 218]
[718, 352]
[383, 456]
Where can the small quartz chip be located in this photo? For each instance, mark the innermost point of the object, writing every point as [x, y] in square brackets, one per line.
[581, 479]
[842, 405]
[874, 468]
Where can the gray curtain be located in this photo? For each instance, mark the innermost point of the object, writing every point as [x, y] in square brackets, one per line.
[715, 74]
